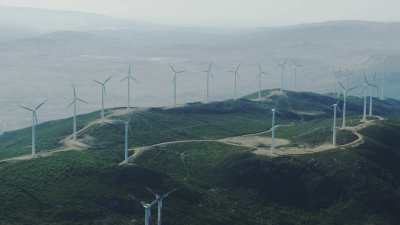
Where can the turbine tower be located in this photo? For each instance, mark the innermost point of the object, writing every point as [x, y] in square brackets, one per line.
[260, 74]
[34, 124]
[346, 90]
[282, 66]
[160, 199]
[103, 93]
[126, 135]
[75, 104]
[365, 90]
[236, 75]
[208, 76]
[296, 66]
[273, 127]
[334, 129]
[129, 78]
[176, 72]
[370, 94]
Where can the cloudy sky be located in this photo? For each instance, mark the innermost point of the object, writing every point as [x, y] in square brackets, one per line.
[228, 12]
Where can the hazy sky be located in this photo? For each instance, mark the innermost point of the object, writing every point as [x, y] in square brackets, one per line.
[229, 12]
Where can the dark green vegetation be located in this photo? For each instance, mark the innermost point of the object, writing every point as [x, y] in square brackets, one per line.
[218, 184]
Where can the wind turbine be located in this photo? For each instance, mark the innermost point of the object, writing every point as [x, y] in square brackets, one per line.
[334, 129]
[273, 127]
[346, 90]
[365, 90]
[296, 66]
[260, 74]
[75, 103]
[236, 74]
[282, 66]
[129, 78]
[126, 135]
[103, 93]
[208, 76]
[34, 124]
[370, 95]
[160, 199]
[147, 209]
[176, 72]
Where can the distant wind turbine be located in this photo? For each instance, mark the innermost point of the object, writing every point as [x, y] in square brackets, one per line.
[346, 91]
[74, 103]
[129, 78]
[282, 66]
[260, 74]
[334, 129]
[295, 67]
[273, 127]
[236, 75]
[208, 76]
[34, 124]
[370, 94]
[176, 72]
[159, 200]
[103, 93]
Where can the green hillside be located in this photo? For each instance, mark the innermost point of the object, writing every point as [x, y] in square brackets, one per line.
[218, 183]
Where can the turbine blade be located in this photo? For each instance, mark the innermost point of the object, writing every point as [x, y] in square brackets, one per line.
[125, 78]
[70, 104]
[29, 109]
[172, 68]
[108, 79]
[81, 100]
[151, 191]
[40, 105]
[98, 82]
[341, 85]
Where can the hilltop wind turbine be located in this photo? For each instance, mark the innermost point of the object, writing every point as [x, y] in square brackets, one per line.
[129, 78]
[34, 124]
[273, 127]
[236, 74]
[370, 94]
[260, 74]
[75, 103]
[176, 72]
[147, 209]
[126, 135]
[208, 76]
[334, 129]
[365, 90]
[103, 93]
[296, 66]
[159, 200]
[346, 90]
[282, 66]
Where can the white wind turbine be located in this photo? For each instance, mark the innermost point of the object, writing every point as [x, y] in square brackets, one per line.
[334, 129]
[160, 199]
[260, 74]
[126, 136]
[346, 91]
[75, 104]
[208, 76]
[34, 124]
[129, 78]
[282, 66]
[103, 93]
[365, 91]
[273, 127]
[147, 209]
[236, 75]
[176, 72]
[370, 94]
[295, 67]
